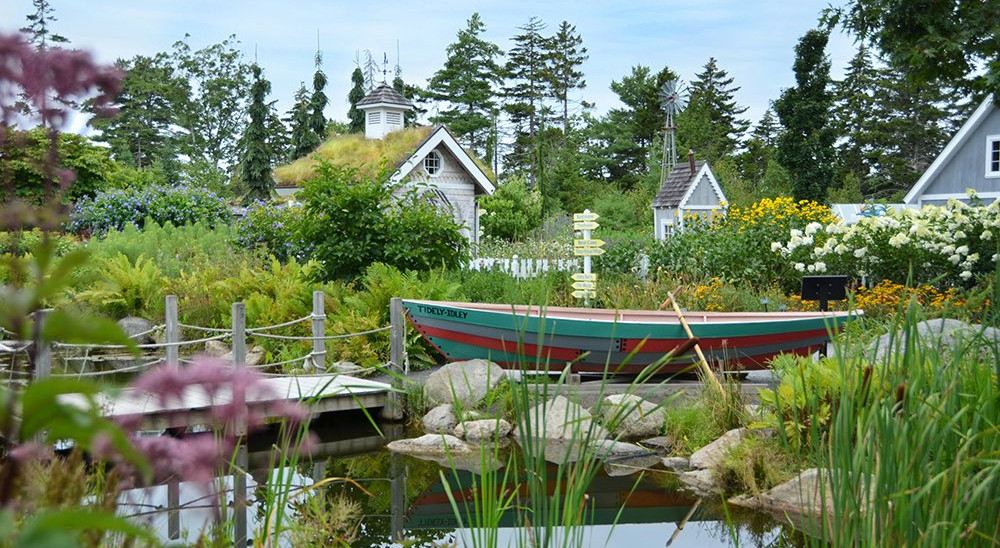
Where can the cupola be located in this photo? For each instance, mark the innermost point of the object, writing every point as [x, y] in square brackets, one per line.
[384, 110]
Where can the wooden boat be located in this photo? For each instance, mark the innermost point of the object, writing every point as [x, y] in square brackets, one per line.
[602, 340]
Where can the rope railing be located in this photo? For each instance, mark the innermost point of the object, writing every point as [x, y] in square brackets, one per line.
[323, 338]
[86, 374]
[153, 329]
[280, 325]
[142, 346]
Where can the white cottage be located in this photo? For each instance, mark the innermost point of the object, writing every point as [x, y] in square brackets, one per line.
[970, 160]
[428, 158]
[690, 189]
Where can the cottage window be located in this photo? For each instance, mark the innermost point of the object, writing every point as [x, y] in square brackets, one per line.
[432, 163]
[993, 156]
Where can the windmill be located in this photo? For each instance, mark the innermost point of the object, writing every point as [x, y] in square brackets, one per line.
[672, 100]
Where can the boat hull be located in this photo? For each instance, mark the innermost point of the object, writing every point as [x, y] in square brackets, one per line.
[601, 341]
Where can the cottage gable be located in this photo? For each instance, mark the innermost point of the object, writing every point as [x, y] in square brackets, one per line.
[690, 188]
[970, 160]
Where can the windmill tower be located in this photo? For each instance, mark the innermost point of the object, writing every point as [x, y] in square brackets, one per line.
[672, 100]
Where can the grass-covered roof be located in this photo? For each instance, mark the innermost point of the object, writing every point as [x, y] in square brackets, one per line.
[365, 155]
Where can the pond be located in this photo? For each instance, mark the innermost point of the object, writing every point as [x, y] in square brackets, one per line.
[400, 501]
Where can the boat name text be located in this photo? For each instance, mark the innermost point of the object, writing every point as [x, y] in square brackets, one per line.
[435, 311]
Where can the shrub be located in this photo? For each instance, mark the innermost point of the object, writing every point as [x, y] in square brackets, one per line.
[273, 228]
[512, 212]
[622, 255]
[162, 204]
[350, 223]
[20, 243]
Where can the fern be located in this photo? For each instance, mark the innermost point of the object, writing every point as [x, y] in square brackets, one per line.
[127, 288]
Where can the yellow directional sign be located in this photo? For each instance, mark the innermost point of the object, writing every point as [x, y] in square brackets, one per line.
[586, 216]
[585, 277]
[585, 225]
[584, 285]
[588, 243]
[584, 294]
[587, 251]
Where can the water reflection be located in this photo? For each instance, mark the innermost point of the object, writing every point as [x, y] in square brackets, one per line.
[393, 500]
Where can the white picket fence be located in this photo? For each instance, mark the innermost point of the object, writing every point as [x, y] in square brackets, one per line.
[520, 268]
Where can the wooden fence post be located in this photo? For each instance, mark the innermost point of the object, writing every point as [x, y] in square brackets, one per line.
[239, 471]
[43, 354]
[318, 332]
[397, 361]
[173, 331]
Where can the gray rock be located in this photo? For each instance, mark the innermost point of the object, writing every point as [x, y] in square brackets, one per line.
[440, 420]
[676, 463]
[699, 481]
[483, 430]
[474, 461]
[464, 382]
[610, 449]
[216, 349]
[799, 495]
[344, 367]
[629, 416]
[945, 335]
[562, 419]
[711, 455]
[659, 443]
[626, 466]
[133, 326]
[431, 445]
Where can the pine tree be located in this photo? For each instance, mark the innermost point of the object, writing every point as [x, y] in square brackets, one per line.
[355, 115]
[38, 30]
[759, 150]
[805, 147]
[317, 120]
[304, 139]
[710, 125]
[412, 93]
[566, 54]
[255, 166]
[854, 109]
[466, 87]
[527, 76]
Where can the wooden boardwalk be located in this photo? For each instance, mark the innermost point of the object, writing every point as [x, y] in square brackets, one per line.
[195, 406]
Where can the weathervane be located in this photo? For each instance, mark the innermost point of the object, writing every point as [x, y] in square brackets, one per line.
[385, 67]
[672, 100]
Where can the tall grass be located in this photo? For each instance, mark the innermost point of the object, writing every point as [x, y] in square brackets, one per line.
[912, 454]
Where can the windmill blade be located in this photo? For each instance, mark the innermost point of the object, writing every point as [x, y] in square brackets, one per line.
[672, 96]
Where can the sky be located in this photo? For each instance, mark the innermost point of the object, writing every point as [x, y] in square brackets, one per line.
[753, 40]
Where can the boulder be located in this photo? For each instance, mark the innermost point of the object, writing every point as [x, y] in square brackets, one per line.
[463, 382]
[711, 455]
[676, 463]
[344, 367]
[436, 446]
[701, 482]
[216, 349]
[440, 420]
[626, 466]
[799, 495]
[561, 419]
[629, 416]
[659, 443]
[134, 325]
[255, 355]
[613, 450]
[483, 430]
[944, 334]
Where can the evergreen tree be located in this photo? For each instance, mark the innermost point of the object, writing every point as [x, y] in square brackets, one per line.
[355, 115]
[255, 166]
[527, 76]
[317, 120]
[465, 87]
[303, 140]
[566, 54]
[412, 93]
[759, 151]
[38, 30]
[710, 125]
[805, 147]
[854, 110]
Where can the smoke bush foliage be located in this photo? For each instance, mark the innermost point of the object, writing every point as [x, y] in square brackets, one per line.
[178, 205]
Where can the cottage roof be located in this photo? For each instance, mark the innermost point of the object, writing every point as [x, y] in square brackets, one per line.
[677, 184]
[384, 95]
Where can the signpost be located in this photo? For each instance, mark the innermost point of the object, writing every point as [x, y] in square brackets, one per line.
[585, 283]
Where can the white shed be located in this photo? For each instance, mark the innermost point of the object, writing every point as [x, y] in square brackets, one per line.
[690, 189]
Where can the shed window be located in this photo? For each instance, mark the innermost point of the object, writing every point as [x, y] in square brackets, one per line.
[432, 163]
[993, 156]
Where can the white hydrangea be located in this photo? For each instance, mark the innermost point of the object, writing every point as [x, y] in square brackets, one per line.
[776, 247]
[965, 275]
[986, 235]
[860, 252]
[811, 268]
[840, 249]
[819, 266]
[812, 227]
[962, 250]
[899, 240]
[801, 266]
[960, 235]
[955, 259]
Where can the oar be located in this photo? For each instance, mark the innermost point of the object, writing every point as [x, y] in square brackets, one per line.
[680, 526]
[697, 349]
[670, 297]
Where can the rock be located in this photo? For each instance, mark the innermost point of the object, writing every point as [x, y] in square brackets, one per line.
[431, 445]
[344, 367]
[799, 495]
[561, 419]
[676, 463]
[944, 334]
[609, 449]
[626, 466]
[483, 430]
[216, 349]
[465, 382]
[255, 356]
[133, 326]
[711, 455]
[659, 443]
[474, 461]
[440, 420]
[629, 416]
[699, 481]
